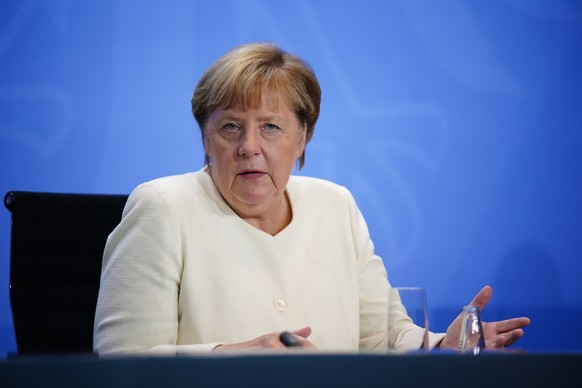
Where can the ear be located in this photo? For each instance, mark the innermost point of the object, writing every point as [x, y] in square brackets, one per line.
[301, 142]
[205, 141]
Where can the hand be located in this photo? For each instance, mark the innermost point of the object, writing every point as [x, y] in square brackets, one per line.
[269, 341]
[497, 334]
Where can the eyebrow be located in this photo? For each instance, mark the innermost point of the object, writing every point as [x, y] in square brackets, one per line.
[273, 117]
[230, 116]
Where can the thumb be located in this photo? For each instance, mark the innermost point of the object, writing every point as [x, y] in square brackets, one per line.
[304, 332]
[482, 298]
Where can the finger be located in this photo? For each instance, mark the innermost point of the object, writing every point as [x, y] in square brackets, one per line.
[505, 339]
[511, 324]
[482, 298]
[303, 332]
[305, 343]
[512, 336]
[302, 335]
[498, 342]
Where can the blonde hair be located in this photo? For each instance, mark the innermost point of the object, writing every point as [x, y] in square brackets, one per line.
[245, 74]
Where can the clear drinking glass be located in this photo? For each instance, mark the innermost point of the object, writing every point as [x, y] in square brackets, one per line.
[472, 339]
[407, 328]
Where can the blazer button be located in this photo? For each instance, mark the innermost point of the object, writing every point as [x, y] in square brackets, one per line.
[279, 305]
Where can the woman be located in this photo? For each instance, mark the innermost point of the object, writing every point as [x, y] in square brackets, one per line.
[232, 255]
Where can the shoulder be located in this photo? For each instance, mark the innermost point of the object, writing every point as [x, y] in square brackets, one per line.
[169, 192]
[173, 183]
[317, 190]
[307, 183]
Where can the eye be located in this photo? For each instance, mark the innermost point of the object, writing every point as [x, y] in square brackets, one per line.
[271, 128]
[230, 127]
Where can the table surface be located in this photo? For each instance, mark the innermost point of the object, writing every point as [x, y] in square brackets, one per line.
[296, 370]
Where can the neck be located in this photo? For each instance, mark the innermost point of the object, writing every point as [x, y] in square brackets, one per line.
[272, 220]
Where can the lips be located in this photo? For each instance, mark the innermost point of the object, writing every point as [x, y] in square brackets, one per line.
[251, 174]
[250, 171]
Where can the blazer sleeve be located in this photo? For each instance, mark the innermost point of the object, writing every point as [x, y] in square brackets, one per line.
[373, 297]
[137, 307]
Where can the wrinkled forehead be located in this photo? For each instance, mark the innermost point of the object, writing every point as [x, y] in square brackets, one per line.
[257, 96]
[265, 100]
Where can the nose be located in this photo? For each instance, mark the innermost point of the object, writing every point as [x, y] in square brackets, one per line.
[249, 143]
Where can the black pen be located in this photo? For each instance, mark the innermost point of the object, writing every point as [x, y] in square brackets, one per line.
[289, 339]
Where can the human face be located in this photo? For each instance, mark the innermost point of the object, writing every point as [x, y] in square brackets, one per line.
[252, 154]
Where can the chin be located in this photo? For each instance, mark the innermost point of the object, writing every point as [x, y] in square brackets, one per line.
[255, 198]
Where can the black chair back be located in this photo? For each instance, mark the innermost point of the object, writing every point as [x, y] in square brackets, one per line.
[57, 243]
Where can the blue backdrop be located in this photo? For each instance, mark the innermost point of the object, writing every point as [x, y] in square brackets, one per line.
[456, 124]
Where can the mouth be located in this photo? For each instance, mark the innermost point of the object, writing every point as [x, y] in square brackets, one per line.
[251, 174]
